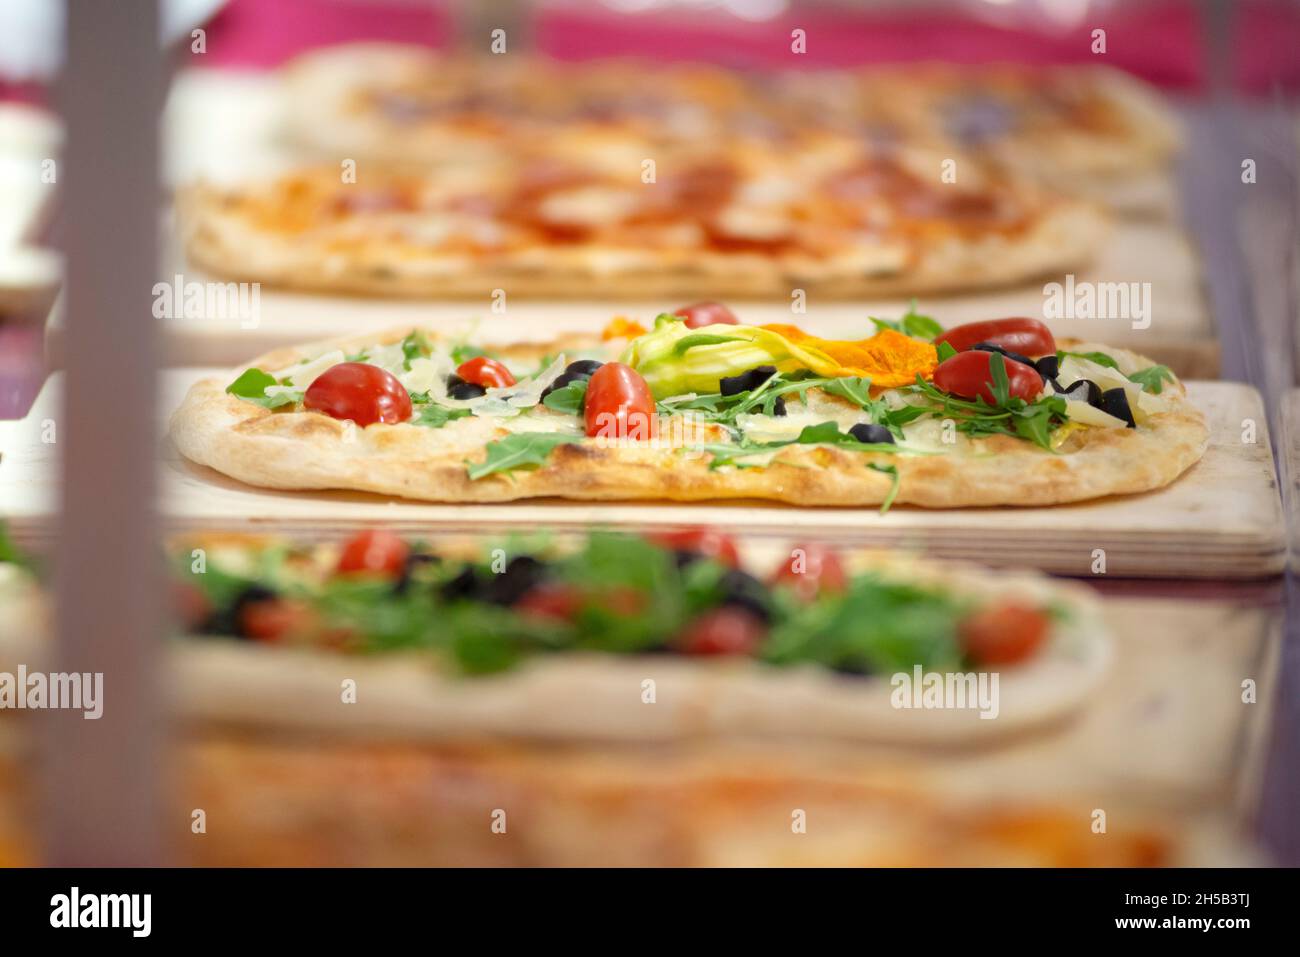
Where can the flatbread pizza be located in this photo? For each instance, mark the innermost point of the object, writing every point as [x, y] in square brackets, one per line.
[613, 637]
[828, 217]
[703, 407]
[1089, 130]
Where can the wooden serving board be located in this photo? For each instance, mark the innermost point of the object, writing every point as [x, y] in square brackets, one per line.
[226, 127]
[1166, 740]
[1223, 519]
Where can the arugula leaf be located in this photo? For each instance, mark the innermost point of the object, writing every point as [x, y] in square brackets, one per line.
[876, 627]
[1001, 386]
[415, 346]
[1098, 357]
[828, 433]
[724, 408]
[522, 450]
[10, 552]
[854, 388]
[435, 416]
[893, 489]
[464, 352]
[946, 351]
[1033, 421]
[912, 324]
[251, 386]
[568, 398]
[735, 453]
[1153, 378]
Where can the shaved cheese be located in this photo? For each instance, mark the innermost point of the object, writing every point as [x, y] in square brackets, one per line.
[303, 375]
[1085, 414]
[929, 434]
[526, 394]
[390, 358]
[1141, 402]
[505, 401]
[427, 375]
[784, 428]
[540, 422]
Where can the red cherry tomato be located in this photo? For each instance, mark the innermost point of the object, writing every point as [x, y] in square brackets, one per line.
[703, 541]
[562, 601]
[623, 600]
[275, 619]
[375, 551]
[190, 606]
[555, 600]
[485, 372]
[619, 404]
[707, 314]
[812, 569]
[969, 374]
[722, 631]
[1003, 634]
[364, 393]
[1029, 337]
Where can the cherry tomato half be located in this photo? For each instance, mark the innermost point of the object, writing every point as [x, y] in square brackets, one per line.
[812, 569]
[275, 619]
[376, 551]
[485, 372]
[728, 630]
[703, 541]
[1029, 337]
[707, 314]
[189, 605]
[554, 600]
[1003, 634]
[969, 374]
[619, 404]
[361, 392]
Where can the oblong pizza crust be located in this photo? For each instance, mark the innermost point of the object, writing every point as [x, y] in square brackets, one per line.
[304, 450]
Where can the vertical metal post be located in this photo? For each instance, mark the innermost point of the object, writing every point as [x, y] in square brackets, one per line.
[101, 776]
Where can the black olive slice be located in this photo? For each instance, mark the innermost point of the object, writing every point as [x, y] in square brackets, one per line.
[231, 621]
[778, 407]
[584, 368]
[1006, 353]
[870, 433]
[1083, 390]
[853, 666]
[1049, 366]
[684, 556]
[466, 390]
[1115, 402]
[743, 590]
[464, 585]
[520, 575]
[413, 560]
[746, 381]
[560, 381]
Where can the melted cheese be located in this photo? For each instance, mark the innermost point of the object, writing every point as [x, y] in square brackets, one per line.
[543, 421]
[303, 375]
[785, 428]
